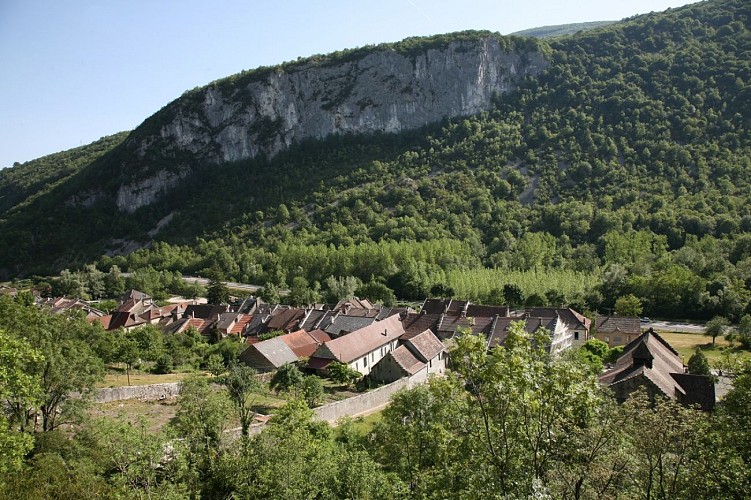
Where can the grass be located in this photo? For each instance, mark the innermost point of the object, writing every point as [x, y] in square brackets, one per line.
[156, 414]
[116, 377]
[365, 425]
[686, 344]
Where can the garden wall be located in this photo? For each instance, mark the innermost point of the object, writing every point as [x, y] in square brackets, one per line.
[146, 392]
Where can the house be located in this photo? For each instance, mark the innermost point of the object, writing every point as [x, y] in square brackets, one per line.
[341, 324]
[462, 308]
[571, 328]
[232, 323]
[284, 320]
[135, 296]
[205, 311]
[303, 343]
[61, 304]
[268, 355]
[617, 330]
[362, 348]
[419, 354]
[651, 363]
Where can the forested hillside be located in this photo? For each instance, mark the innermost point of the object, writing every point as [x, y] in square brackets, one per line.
[628, 161]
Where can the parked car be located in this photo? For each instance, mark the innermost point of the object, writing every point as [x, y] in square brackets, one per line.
[645, 320]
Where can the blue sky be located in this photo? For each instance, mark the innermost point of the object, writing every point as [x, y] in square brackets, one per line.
[77, 70]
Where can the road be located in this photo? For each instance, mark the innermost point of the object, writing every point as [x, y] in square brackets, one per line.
[237, 286]
[669, 326]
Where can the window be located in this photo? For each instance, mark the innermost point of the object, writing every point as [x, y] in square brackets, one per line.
[576, 335]
[365, 361]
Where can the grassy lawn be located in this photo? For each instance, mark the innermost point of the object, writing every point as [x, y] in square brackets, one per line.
[118, 378]
[686, 343]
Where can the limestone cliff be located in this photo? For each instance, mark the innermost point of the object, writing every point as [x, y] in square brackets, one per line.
[378, 90]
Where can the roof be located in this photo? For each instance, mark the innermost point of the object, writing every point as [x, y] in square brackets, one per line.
[618, 324]
[342, 325]
[650, 356]
[360, 342]
[285, 319]
[385, 312]
[477, 310]
[406, 360]
[425, 345]
[499, 331]
[125, 320]
[312, 319]
[354, 303]
[415, 323]
[205, 311]
[570, 317]
[302, 343]
[225, 321]
[276, 351]
[135, 295]
[320, 336]
[439, 306]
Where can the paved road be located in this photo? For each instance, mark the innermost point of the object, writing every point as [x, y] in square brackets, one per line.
[669, 326]
[238, 286]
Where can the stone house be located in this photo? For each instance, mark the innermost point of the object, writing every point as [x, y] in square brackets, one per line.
[362, 349]
[617, 330]
[651, 363]
[420, 354]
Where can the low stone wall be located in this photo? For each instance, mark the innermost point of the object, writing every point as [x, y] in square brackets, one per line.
[366, 402]
[145, 392]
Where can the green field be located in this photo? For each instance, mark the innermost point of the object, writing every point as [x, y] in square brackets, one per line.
[686, 344]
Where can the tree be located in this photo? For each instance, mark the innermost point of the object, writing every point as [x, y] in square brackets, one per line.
[300, 294]
[341, 288]
[442, 290]
[67, 365]
[127, 352]
[342, 373]
[555, 298]
[716, 327]
[312, 390]
[217, 292]
[698, 364]
[200, 419]
[288, 378]
[628, 305]
[376, 291]
[19, 388]
[114, 283]
[744, 331]
[512, 294]
[244, 389]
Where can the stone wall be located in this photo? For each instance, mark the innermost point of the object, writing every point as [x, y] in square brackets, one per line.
[146, 392]
[368, 401]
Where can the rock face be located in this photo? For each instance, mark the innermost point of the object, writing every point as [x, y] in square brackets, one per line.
[382, 90]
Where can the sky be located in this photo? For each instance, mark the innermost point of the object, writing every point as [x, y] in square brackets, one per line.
[78, 70]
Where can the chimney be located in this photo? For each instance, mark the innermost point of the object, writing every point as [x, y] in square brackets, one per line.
[385, 333]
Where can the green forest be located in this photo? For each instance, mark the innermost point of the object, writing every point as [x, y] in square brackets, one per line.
[624, 169]
[509, 423]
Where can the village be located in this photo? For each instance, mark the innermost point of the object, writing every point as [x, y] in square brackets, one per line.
[383, 345]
